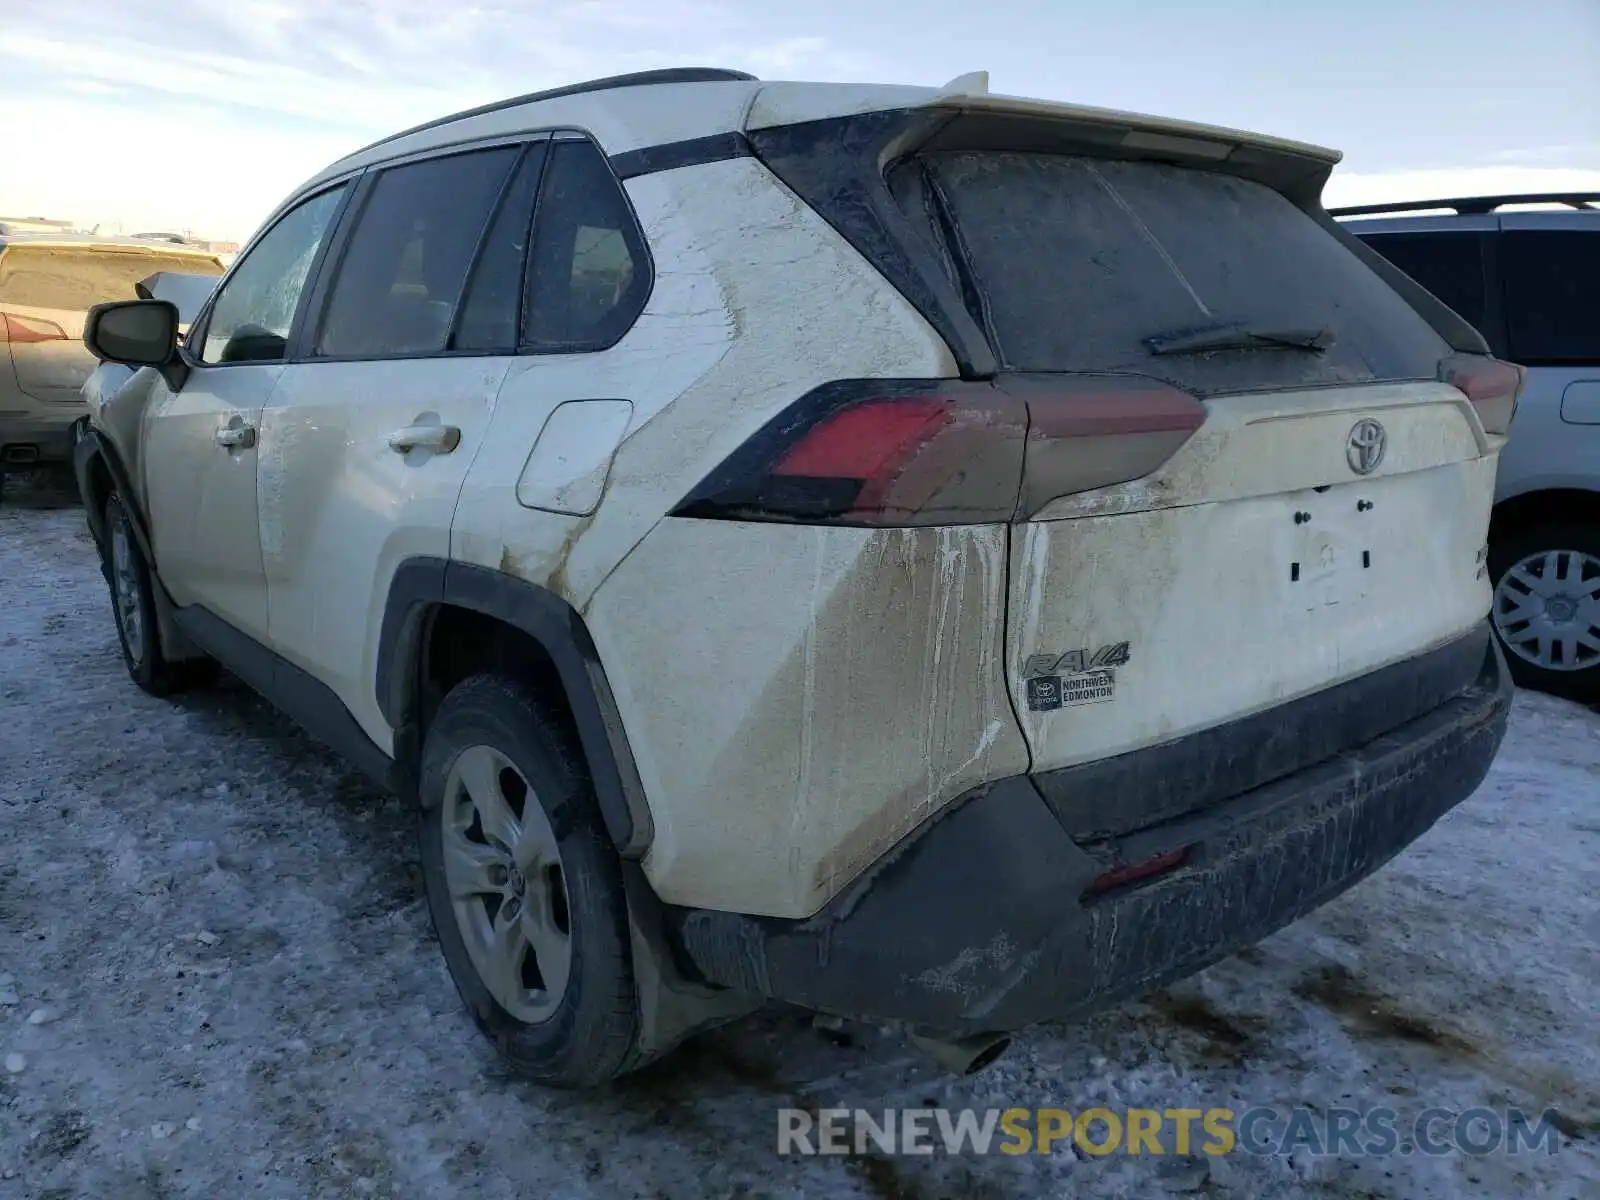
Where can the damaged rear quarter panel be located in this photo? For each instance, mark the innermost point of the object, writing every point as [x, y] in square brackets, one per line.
[799, 699]
[767, 793]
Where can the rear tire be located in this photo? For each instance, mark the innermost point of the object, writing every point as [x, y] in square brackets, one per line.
[525, 887]
[1547, 607]
[134, 611]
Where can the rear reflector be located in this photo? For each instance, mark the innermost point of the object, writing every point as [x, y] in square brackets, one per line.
[1121, 877]
[29, 329]
[1492, 385]
[945, 452]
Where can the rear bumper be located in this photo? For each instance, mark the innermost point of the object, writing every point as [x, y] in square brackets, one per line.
[980, 921]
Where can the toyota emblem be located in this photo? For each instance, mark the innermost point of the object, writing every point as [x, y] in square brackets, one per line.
[1364, 448]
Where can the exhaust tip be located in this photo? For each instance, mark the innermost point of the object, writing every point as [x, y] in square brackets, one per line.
[964, 1056]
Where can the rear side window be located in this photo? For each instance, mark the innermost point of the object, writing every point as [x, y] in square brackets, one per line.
[1552, 294]
[1450, 265]
[590, 274]
[403, 271]
[75, 280]
[1083, 264]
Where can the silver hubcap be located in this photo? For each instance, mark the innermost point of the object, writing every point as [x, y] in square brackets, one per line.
[1547, 609]
[125, 591]
[507, 888]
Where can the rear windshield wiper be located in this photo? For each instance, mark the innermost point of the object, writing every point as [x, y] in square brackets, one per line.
[1240, 337]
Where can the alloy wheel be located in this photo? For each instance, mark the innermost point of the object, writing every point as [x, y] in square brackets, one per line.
[507, 887]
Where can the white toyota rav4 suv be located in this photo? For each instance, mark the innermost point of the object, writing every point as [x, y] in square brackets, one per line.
[924, 556]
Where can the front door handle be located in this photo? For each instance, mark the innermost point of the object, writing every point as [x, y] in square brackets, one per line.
[441, 439]
[237, 437]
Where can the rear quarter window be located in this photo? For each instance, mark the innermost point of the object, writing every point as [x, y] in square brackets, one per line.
[1552, 295]
[1074, 263]
[75, 280]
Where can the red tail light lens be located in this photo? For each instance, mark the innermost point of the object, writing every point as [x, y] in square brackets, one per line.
[29, 329]
[945, 452]
[1492, 385]
[876, 452]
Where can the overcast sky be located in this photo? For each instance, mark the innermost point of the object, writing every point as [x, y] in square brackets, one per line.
[202, 114]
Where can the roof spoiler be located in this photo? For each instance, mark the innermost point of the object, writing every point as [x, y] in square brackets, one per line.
[973, 83]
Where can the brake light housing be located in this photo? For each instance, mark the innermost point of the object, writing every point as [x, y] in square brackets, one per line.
[1491, 384]
[22, 330]
[946, 452]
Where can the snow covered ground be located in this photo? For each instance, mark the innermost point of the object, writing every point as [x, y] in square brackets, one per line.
[225, 931]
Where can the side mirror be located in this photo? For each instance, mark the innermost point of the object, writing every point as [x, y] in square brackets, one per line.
[136, 333]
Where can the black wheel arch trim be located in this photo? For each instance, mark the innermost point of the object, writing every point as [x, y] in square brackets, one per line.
[95, 444]
[423, 584]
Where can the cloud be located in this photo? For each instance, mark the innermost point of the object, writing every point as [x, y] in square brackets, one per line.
[1551, 155]
[204, 114]
[1351, 188]
[256, 95]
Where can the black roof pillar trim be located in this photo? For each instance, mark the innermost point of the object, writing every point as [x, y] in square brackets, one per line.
[693, 152]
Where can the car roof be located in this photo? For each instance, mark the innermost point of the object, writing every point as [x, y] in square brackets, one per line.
[655, 108]
[96, 241]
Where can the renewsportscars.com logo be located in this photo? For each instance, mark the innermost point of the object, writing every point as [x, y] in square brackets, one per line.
[1265, 1130]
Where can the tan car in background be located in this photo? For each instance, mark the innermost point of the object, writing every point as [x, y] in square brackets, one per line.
[47, 283]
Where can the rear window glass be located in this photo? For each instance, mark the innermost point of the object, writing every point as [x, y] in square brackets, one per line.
[76, 280]
[1552, 289]
[1076, 264]
[1450, 265]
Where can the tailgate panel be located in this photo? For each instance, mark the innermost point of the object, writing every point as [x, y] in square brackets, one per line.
[1231, 606]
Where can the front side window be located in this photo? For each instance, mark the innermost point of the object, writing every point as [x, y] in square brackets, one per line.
[75, 279]
[254, 310]
[590, 275]
[402, 275]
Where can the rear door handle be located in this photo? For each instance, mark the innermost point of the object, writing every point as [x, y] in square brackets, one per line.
[237, 437]
[441, 439]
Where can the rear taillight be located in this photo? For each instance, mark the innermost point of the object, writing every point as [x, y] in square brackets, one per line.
[945, 452]
[1095, 431]
[1492, 385]
[29, 329]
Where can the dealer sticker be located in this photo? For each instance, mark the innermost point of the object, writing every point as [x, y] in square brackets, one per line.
[1047, 692]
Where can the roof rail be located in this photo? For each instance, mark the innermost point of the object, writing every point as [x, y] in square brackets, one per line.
[636, 79]
[1474, 205]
